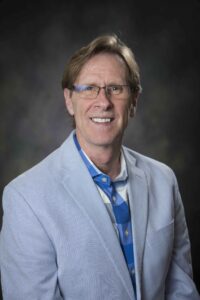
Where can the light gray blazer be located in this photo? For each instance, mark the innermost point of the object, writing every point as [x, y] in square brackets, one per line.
[58, 242]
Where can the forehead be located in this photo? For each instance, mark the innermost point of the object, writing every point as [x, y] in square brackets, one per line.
[103, 66]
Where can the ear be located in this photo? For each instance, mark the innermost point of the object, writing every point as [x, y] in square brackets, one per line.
[133, 105]
[68, 101]
[132, 110]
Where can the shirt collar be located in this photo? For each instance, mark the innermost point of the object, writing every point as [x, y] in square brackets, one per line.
[94, 171]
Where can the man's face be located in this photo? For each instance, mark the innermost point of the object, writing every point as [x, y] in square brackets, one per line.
[100, 122]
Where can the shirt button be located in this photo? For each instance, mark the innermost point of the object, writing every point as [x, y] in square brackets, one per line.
[114, 198]
[126, 232]
[104, 179]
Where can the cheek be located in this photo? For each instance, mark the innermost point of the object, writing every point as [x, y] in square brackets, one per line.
[125, 112]
[76, 108]
[126, 116]
[80, 112]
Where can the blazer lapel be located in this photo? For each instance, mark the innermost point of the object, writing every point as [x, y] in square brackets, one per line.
[78, 182]
[138, 201]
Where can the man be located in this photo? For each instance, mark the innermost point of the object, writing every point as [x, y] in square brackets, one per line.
[96, 220]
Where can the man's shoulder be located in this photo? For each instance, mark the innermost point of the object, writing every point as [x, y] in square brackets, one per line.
[151, 167]
[37, 174]
[44, 172]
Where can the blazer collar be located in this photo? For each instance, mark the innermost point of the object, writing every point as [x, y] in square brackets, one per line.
[78, 183]
[138, 201]
[76, 179]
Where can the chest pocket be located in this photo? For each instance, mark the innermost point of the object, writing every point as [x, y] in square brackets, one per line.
[162, 237]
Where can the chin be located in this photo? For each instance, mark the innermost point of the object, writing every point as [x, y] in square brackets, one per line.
[105, 141]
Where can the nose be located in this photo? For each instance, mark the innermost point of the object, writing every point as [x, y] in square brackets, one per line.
[103, 99]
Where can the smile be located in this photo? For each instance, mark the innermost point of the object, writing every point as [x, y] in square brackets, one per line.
[101, 120]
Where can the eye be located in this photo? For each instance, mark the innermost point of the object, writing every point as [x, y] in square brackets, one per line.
[89, 88]
[83, 88]
[116, 89]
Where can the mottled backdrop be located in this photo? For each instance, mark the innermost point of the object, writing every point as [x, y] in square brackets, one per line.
[36, 39]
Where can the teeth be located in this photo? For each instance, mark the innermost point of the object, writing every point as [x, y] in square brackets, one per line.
[101, 120]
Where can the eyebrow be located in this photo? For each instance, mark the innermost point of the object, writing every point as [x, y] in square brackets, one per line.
[106, 84]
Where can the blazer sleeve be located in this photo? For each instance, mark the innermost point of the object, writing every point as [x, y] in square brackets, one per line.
[180, 285]
[27, 255]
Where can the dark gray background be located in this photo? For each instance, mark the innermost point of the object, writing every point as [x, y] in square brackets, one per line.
[36, 39]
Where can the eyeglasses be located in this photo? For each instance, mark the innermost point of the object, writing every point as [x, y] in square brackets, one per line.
[92, 91]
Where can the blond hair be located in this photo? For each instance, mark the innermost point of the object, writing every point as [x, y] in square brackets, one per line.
[102, 44]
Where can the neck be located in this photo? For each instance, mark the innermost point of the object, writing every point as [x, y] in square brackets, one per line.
[105, 158]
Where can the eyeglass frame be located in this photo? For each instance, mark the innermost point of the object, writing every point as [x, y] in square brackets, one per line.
[78, 88]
